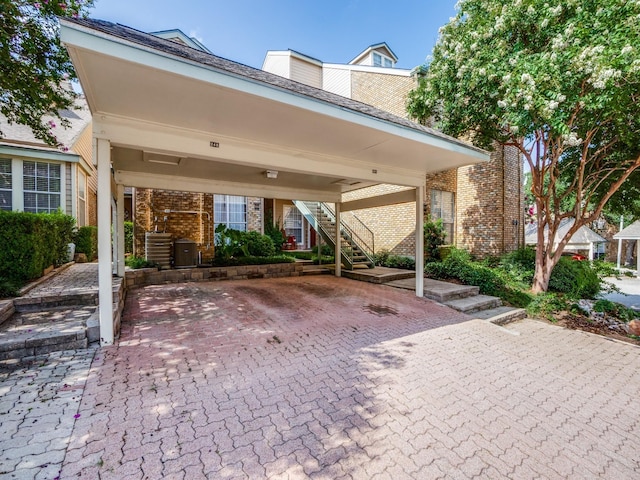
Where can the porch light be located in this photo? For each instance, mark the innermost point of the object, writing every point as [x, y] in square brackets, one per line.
[271, 174]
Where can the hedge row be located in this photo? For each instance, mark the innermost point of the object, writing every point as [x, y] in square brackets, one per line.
[31, 242]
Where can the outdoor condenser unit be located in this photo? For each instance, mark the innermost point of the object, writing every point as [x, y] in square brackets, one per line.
[157, 247]
[184, 253]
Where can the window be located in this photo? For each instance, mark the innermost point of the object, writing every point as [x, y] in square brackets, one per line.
[6, 201]
[82, 199]
[293, 223]
[381, 61]
[230, 210]
[42, 187]
[443, 206]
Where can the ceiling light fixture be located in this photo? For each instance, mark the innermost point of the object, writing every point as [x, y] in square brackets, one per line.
[271, 174]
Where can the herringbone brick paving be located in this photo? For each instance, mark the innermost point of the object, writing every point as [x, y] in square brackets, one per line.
[328, 378]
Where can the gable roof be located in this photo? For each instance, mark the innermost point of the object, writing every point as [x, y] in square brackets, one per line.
[223, 65]
[632, 232]
[583, 236]
[375, 46]
[178, 35]
[18, 135]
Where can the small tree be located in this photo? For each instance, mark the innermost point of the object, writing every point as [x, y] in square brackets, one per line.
[33, 63]
[434, 236]
[558, 80]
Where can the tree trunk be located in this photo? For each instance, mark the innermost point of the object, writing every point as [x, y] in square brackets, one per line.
[544, 267]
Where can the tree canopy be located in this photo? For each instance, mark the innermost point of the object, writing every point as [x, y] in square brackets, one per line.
[34, 65]
[557, 79]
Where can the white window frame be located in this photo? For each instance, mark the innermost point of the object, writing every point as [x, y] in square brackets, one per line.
[383, 60]
[438, 211]
[11, 183]
[222, 207]
[81, 204]
[48, 191]
[288, 210]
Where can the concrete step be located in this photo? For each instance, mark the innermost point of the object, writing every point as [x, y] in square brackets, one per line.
[28, 334]
[474, 304]
[316, 269]
[501, 315]
[447, 292]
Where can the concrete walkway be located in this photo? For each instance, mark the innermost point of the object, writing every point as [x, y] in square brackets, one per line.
[630, 291]
[327, 378]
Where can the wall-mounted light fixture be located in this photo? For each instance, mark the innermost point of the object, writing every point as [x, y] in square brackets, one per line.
[271, 174]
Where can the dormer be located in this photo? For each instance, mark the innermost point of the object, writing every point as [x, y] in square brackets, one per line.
[378, 55]
[178, 36]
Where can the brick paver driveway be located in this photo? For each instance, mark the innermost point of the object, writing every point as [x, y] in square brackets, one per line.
[319, 377]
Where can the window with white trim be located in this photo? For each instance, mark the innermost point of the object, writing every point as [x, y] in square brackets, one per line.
[230, 210]
[6, 184]
[42, 186]
[443, 206]
[380, 60]
[293, 223]
[82, 199]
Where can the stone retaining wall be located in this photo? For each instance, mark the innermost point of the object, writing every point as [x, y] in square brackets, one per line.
[149, 276]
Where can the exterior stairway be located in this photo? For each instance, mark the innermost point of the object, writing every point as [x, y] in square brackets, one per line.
[356, 246]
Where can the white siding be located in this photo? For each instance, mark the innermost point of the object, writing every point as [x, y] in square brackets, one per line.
[277, 63]
[337, 80]
[305, 72]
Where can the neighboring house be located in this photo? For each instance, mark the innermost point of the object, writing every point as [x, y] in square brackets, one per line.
[482, 206]
[585, 241]
[36, 177]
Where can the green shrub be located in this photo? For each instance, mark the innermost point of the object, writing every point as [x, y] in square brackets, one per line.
[546, 304]
[615, 309]
[86, 240]
[273, 230]
[384, 258]
[434, 237]
[128, 237]
[258, 245]
[458, 265]
[380, 258]
[324, 250]
[8, 288]
[574, 278]
[140, 262]
[31, 242]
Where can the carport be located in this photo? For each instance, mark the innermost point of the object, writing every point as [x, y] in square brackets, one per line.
[166, 116]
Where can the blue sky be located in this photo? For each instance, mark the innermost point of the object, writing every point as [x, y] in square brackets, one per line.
[330, 30]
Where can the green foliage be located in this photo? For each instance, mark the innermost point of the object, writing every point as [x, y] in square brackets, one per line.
[236, 243]
[604, 269]
[274, 231]
[615, 309]
[139, 262]
[384, 258]
[249, 260]
[576, 279]
[32, 242]
[128, 237]
[325, 250]
[86, 240]
[9, 288]
[33, 63]
[558, 81]
[326, 259]
[434, 237]
[546, 304]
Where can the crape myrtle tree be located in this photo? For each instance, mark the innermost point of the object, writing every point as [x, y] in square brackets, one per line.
[557, 79]
[34, 65]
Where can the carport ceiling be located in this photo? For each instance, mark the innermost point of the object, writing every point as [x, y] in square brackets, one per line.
[229, 123]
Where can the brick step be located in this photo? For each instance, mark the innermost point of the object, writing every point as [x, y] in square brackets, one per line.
[316, 270]
[501, 315]
[474, 304]
[27, 334]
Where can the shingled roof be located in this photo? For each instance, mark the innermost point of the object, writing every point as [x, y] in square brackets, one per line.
[220, 64]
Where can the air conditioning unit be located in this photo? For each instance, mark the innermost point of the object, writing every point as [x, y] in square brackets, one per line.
[157, 247]
[184, 253]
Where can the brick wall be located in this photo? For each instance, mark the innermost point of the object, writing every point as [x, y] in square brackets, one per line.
[196, 226]
[384, 91]
[489, 205]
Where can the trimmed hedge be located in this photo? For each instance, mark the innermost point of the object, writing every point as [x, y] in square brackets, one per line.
[31, 242]
[240, 261]
[86, 240]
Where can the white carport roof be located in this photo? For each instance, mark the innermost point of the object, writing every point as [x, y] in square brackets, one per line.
[581, 239]
[182, 119]
[632, 232]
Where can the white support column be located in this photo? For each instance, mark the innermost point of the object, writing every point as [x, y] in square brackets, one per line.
[338, 241]
[114, 237]
[105, 294]
[120, 229]
[638, 257]
[420, 241]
